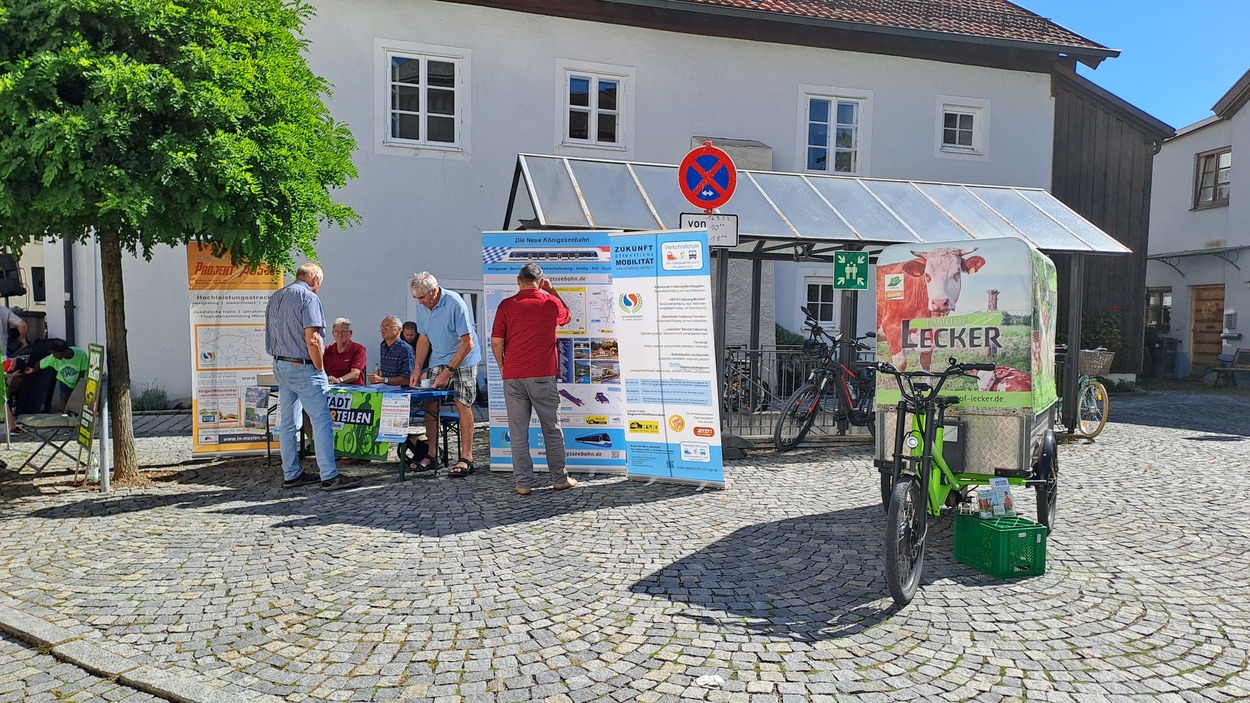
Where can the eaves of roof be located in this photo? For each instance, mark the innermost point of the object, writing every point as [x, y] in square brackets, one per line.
[1149, 124]
[963, 22]
[1235, 99]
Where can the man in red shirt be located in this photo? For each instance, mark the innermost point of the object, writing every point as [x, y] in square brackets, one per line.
[523, 340]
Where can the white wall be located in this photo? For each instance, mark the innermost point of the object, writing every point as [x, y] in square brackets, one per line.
[427, 212]
[1175, 226]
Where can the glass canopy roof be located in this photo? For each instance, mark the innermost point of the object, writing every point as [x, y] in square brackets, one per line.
[798, 215]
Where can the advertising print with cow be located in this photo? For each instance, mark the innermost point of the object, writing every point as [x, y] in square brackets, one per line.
[989, 300]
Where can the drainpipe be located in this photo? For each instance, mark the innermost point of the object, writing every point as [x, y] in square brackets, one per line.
[70, 322]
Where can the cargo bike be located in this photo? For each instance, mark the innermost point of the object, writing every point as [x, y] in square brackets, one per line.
[966, 386]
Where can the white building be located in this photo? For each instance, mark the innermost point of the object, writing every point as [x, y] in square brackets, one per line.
[1198, 280]
[441, 97]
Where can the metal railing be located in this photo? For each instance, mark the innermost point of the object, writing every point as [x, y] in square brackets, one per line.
[758, 382]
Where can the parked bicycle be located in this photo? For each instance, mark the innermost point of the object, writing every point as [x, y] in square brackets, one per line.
[839, 385]
[1093, 404]
[744, 391]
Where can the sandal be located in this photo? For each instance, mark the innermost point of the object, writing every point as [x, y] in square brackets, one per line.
[426, 464]
[458, 471]
[415, 457]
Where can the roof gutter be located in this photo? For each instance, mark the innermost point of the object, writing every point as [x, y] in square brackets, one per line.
[1087, 56]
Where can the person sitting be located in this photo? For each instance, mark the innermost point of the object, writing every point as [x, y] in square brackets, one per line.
[397, 358]
[411, 335]
[345, 359]
[70, 363]
[15, 329]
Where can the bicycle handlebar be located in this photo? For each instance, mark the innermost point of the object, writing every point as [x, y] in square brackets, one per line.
[925, 393]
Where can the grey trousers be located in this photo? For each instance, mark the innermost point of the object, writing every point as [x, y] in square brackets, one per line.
[542, 397]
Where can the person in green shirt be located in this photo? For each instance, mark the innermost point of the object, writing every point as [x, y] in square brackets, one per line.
[70, 363]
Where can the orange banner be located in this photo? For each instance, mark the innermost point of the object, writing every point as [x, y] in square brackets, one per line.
[208, 272]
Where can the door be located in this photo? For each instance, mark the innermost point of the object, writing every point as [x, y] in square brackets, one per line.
[1208, 323]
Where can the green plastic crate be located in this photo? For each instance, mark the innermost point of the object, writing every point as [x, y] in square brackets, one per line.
[1006, 547]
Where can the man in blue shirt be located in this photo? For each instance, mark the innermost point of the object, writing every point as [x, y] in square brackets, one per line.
[395, 365]
[449, 338]
[295, 338]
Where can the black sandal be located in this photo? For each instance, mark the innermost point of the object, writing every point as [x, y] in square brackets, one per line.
[426, 464]
[458, 471]
[415, 457]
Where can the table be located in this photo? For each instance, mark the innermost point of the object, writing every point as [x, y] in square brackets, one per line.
[369, 419]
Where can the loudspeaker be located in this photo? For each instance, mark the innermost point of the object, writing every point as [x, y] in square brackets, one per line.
[10, 277]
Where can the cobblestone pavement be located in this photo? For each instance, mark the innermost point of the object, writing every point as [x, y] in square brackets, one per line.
[28, 676]
[460, 590]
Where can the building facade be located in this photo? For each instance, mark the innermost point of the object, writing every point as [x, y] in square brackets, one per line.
[1198, 278]
[441, 96]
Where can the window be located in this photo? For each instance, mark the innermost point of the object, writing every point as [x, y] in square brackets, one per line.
[594, 115]
[423, 98]
[38, 284]
[962, 125]
[820, 297]
[1158, 308]
[833, 134]
[1213, 173]
[957, 130]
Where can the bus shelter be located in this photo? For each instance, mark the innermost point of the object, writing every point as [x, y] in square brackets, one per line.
[810, 217]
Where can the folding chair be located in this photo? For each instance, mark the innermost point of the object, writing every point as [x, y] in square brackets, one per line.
[55, 430]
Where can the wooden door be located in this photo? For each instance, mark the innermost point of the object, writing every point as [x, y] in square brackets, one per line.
[1207, 304]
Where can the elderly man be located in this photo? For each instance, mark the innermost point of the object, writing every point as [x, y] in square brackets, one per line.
[294, 337]
[523, 341]
[395, 366]
[450, 341]
[345, 359]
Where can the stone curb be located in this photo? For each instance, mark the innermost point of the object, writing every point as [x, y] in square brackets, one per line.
[175, 684]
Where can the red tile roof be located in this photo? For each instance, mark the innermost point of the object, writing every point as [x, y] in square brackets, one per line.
[993, 19]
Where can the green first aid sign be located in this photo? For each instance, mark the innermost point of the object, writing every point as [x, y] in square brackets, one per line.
[850, 270]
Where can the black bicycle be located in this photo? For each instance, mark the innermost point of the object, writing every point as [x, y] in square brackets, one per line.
[838, 384]
[744, 392]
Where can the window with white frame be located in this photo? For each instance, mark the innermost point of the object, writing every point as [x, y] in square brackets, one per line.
[962, 126]
[1213, 178]
[820, 298]
[593, 109]
[423, 92]
[833, 134]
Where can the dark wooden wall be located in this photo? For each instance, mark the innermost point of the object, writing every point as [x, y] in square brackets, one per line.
[1103, 155]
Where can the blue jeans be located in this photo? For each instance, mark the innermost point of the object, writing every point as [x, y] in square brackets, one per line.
[301, 388]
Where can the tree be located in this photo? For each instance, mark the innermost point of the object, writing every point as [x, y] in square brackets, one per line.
[140, 123]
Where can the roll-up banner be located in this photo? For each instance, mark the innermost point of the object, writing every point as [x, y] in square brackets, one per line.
[663, 291]
[227, 305]
[592, 404]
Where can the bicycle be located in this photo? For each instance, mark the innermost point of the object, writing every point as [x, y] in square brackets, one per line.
[744, 392]
[831, 385]
[921, 483]
[1093, 402]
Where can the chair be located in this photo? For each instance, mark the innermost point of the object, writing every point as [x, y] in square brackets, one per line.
[55, 430]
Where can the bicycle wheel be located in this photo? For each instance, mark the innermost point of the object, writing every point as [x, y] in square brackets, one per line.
[1047, 470]
[1092, 411]
[796, 417]
[904, 540]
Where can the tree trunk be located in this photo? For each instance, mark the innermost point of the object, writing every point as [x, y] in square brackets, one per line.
[125, 461]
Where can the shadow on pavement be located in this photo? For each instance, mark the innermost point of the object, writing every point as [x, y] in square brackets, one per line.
[809, 578]
[1216, 413]
[433, 507]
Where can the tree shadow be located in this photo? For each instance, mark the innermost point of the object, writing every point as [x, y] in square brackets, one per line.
[808, 579]
[433, 506]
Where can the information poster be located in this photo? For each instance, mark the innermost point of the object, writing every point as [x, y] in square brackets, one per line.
[91, 400]
[592, 404]
[663, 292]
[227, 305]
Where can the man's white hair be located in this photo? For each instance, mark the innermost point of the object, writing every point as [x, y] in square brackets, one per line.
[341, 322]
[422, 283]
[310, 271]
[391, 318]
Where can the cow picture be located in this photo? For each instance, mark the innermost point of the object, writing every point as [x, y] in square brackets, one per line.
[930, 286]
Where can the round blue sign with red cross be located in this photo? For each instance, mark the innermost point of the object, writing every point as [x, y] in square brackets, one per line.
[707, 177]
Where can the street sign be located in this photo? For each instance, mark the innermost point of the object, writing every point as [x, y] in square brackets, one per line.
[850, 270]
[722, 230]
[707, 177]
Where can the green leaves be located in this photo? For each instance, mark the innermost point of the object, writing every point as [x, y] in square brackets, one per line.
[167, 122]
